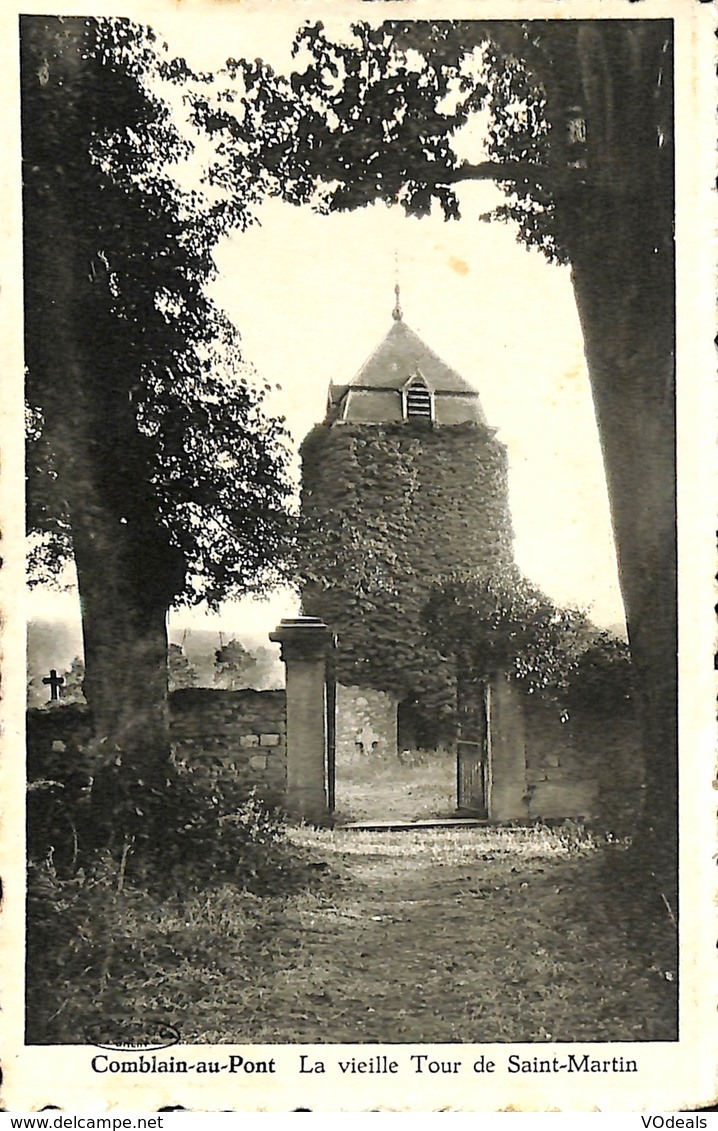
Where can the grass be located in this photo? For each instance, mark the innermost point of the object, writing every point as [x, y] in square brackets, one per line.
[450, 845]
[379, 786]
[440, 935]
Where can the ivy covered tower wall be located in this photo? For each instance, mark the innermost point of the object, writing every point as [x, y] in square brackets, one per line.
[403, 483]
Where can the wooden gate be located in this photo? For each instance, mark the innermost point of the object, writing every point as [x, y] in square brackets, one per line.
[473, 749]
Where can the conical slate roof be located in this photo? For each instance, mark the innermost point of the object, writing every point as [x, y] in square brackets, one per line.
[377, 394]
[397, 358]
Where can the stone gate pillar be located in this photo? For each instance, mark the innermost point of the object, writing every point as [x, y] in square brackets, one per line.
[507, 741]
[305, 643]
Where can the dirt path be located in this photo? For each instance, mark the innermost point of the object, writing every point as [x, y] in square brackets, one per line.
[448, 936]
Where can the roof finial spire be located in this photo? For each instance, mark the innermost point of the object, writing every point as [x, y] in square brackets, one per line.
[397, 314]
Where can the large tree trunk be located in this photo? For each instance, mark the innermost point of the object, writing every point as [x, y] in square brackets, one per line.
[125, 641]
[122, 601]
[126, 567]
[632, 379]
[619, 233]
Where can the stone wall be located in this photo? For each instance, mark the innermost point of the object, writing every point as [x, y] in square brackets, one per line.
[561, 781]
[56, 738]
[583, 764]
[242, 731]
[366, 723]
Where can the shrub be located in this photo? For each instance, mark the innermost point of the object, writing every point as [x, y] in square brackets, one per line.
[603, 679]
[193, 828]
[105, 958]
[54, 813]
[202, 829]
[500, 621]
[167, 894]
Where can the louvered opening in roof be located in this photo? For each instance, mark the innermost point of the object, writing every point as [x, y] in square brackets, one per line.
[418, 402]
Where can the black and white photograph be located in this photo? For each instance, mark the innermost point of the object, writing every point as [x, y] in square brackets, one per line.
[358, 729]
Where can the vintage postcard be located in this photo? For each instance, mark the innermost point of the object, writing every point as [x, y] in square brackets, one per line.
[358, 508]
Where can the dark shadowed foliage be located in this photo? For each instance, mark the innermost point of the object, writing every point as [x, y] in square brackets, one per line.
[149, 455]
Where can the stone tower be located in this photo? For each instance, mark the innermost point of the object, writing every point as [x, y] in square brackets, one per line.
[403, 483]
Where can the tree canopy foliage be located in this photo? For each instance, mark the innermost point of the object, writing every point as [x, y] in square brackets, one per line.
[174, 424]
[181, 672]
[150, 452]
[499, 621]
[233, 664]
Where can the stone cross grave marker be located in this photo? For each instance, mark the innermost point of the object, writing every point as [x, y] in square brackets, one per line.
[55, 682]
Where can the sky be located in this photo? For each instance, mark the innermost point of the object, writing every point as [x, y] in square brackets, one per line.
[312, 297]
